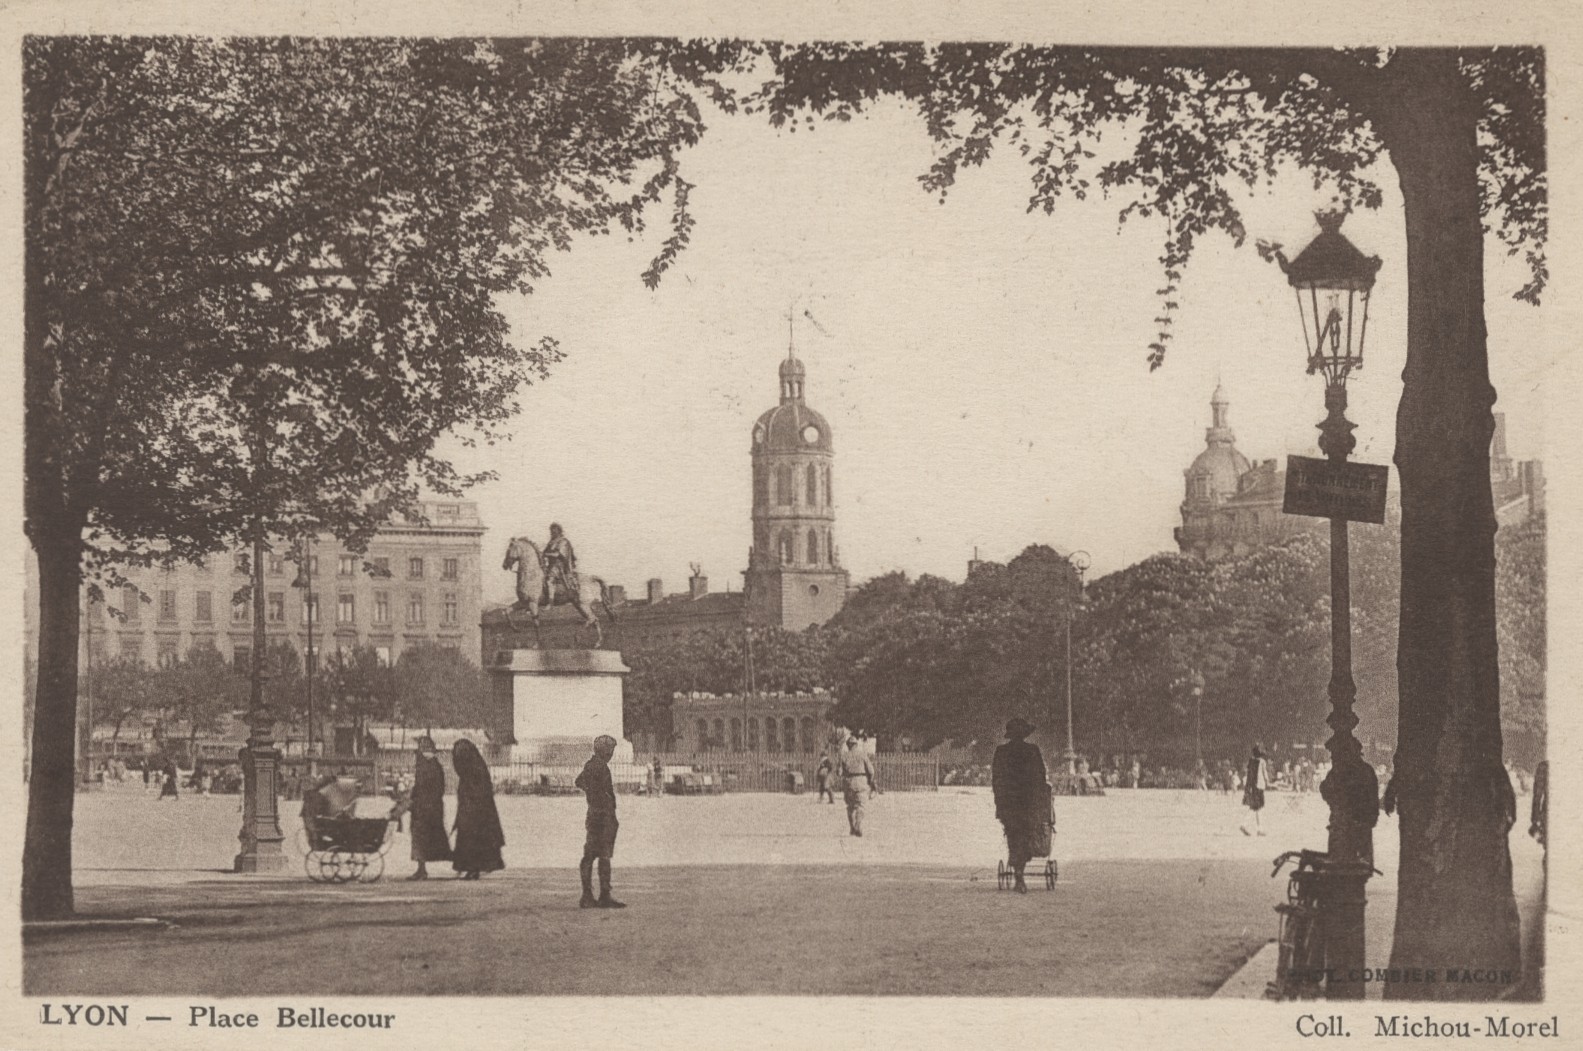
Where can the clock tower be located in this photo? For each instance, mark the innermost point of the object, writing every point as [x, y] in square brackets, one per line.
[794, 576]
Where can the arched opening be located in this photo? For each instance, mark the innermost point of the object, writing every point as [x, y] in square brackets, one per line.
[828, 501]
[789, 728]
[719, 738]
[753, 734]
[785, 548]
[813, 485]
[807, 733]
[783, 485]
[736, 735]
[813, 547]
[771, 741]
[702, 740]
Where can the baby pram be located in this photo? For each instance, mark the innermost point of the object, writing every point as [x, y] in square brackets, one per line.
[339, 846]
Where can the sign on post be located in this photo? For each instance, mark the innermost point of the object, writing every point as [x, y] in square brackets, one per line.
[1351, 491]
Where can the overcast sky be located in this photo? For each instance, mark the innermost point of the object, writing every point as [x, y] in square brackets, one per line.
[983, 369]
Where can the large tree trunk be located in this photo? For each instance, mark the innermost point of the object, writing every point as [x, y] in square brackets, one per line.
[46, 854]
[1455, 906]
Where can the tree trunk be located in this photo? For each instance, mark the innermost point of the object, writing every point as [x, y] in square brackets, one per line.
[46, 853]
[1455, 906]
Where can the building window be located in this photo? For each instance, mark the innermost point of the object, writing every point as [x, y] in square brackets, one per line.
[785, 548]
[452, 608]
[239, 564]
[813, 547]
[132, 603]
[277, 565]
[753, 734]
[347, 566]
[381, 607]
[828, 500]
[783, 485]
[450, 569]
[131, 647]
[167, 605]
[807, 734]
[813, 485]
[760, 487]
[345, 610]
[415, 608]
[415, 568]
[310, 608]
[703, 735]
[381, 566]
[203, 607]
[719, 738]
[771, 739]
[736, 734]
[789, 731]
[383, 653]
[241, 612]
[167, 653]
[277, 607]
[242, 659]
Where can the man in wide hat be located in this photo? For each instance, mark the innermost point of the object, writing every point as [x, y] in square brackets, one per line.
[1022, 798]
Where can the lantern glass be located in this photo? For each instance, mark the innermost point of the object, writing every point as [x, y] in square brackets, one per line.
[1335, 319]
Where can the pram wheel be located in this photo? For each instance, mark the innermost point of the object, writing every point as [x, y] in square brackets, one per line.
[1004, 876]
[1051, 874]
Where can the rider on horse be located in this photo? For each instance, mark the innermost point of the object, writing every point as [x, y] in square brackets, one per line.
[560, 567]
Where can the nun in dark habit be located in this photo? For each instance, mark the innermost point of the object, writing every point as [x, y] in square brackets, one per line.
[429, 841]
[478, 833]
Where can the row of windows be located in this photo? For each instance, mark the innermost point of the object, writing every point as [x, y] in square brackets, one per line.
[812, 483]
[348, 566]
[781, 736]
[275, 608]
[786, 546]
[168, 651]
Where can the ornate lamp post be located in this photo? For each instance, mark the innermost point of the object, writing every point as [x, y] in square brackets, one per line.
[1197, 681]
[1079, 561]
[1333, 280]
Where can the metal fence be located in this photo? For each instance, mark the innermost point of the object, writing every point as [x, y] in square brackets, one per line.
[705, 771]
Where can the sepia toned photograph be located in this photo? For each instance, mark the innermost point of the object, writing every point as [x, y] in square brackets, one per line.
[695, 516]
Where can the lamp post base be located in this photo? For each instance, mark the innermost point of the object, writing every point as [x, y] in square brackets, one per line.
[262, 840]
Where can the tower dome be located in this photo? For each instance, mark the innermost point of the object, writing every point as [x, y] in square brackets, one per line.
[1214, 472]
[791, 426]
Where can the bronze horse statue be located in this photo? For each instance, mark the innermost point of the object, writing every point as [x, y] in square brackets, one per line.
[532, 593]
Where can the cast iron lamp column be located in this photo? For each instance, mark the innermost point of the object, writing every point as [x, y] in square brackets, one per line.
[1331, 277]
[1079, 561]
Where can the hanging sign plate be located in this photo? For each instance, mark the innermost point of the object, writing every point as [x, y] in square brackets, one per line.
[1351, 491]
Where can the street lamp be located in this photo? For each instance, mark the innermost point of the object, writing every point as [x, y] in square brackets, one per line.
[1333, 279]
[1198, 721]
[1079, 561]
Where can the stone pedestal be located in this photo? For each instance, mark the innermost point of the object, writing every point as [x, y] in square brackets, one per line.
[261, 836]
[553, 703]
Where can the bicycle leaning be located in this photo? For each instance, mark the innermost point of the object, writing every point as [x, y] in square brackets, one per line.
[1300, 965]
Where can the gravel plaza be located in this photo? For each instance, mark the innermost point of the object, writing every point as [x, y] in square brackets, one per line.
[1160, 894]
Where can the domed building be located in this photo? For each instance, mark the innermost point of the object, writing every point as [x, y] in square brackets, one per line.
[794, 576]
[1231, 505]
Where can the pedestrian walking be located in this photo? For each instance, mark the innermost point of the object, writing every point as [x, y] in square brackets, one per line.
[857, 777]
[426, 804]
[1022, 798]
[146, 775]
[167, 786]
[479, 836]
[659, 776]
[599, 788]
[1254, 787]
[826, 769]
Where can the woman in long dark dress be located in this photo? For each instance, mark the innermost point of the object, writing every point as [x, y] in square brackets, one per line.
[429, 841]
[478, 833]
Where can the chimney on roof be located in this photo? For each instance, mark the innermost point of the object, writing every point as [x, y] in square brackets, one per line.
[697, 584]
[656, 590]
[617, 594]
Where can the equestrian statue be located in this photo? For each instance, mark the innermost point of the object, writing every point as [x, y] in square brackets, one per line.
[550, 578]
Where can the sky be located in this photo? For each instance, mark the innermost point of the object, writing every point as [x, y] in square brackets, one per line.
[982, 368]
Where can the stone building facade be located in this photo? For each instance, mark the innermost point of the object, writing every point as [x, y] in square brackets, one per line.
[1232, 506]
[419, 582]
[764, 722]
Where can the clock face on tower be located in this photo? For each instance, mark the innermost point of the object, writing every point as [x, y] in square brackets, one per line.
[810, 434]
[758, 436]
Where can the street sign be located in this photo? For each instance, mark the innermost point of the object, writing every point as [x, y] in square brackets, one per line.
[1351, 491]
